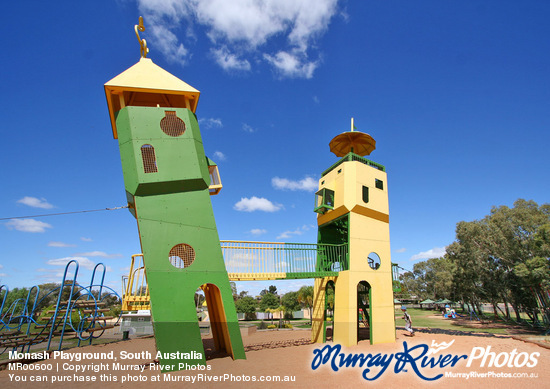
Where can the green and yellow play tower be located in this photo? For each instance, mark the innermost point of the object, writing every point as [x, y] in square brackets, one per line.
[352, 207]
[169, 181]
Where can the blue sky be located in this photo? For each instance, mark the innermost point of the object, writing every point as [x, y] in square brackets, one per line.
[456, 94]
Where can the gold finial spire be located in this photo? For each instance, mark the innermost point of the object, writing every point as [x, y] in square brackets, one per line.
[352, 125]
[142, 43]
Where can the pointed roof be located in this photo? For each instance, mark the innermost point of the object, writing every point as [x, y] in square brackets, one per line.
[146, 78]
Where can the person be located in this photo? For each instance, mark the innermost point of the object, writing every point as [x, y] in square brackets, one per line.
[408, 321]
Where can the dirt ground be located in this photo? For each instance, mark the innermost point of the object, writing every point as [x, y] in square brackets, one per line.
[289, 353]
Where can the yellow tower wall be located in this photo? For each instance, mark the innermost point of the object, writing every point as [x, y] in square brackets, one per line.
[318, 311]
[368, 232]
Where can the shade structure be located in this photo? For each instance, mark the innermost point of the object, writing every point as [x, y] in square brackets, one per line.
[357, 142]
[148, 85]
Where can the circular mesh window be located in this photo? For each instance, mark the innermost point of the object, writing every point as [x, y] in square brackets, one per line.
[181, 256]
[374, 261]
[171, 124]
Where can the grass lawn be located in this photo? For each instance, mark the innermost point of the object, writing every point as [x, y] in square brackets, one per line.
[420, 318]
[434, 319]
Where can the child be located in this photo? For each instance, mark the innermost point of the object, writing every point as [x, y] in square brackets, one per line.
[408, 321]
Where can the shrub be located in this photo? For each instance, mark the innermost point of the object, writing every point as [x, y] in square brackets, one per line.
[115, 311]
[271, 326]
[288, 325]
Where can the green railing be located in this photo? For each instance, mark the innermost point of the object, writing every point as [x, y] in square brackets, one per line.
[354, 157]
[285, 260]
[395, 277]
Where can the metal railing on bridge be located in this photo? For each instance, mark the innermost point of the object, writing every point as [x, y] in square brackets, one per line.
[246, 260]
[251, 261]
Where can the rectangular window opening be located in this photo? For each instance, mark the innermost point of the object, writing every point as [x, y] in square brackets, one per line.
[324, 200]
[365, 194]
[149, 159]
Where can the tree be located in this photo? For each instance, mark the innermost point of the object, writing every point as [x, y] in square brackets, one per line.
[504, 258]
[247, 305]
[68, 287]
[234, 290]
[269, 303]
[269, 300]
[272, 289]
[476, 277]
[305, 298]
[435, 278]
[330, 301]
[290, 302]
[16, 294]
[47, 295]
[515, 242]
[199, 298]
[280, 308]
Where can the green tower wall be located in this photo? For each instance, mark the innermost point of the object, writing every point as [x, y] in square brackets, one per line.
[173, 207]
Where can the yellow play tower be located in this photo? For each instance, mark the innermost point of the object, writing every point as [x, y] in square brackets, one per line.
[352, 207]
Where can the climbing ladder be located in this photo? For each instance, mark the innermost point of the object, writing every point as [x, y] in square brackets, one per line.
[79, 312]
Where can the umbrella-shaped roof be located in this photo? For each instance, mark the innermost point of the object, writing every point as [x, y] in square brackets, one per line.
[357, 142]
[427, 301]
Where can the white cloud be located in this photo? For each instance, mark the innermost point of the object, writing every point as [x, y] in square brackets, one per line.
[248, 128]
[291, 285]
[3, 275]
[1, 266]
[401, 250]
[436, 252]
[316, 100]
[101, 254]
[293, 65]
[240, 28]
[256, 204]
[86, 239]
[308, 184]
[287, 234]
[258, 231]
[60, 244]
[298, 231]
[210, 122]
[229, 61]
[169, 44]
[82, 261]
[35, 202]
[219, 156]
[50, 275]
[27, 225]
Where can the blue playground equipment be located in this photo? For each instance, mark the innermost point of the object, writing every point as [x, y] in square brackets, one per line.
[79, 312]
